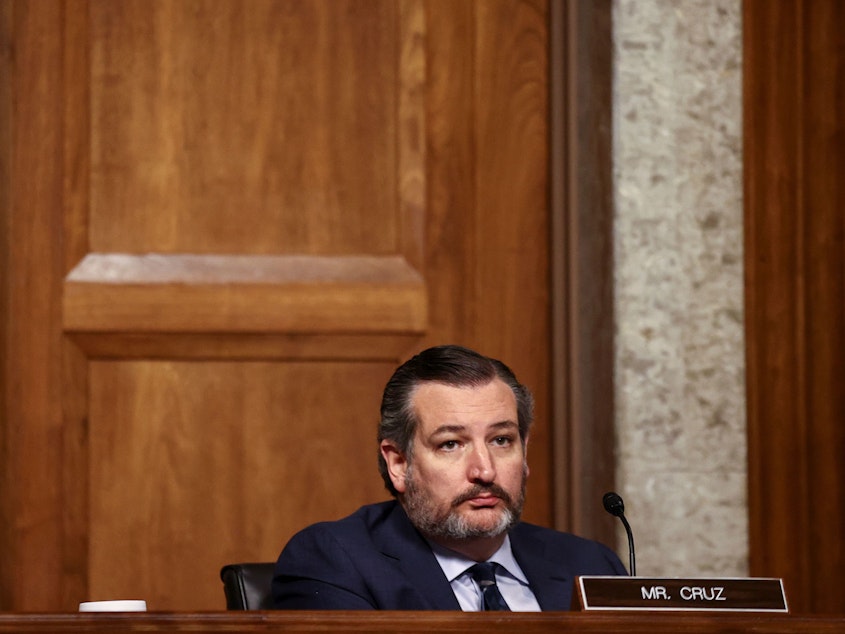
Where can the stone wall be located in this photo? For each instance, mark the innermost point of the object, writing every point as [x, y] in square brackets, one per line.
[680, 391]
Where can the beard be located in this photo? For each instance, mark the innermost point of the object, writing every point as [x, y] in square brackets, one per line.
[449, 523]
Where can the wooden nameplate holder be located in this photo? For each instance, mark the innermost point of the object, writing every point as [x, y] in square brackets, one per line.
[679, 594]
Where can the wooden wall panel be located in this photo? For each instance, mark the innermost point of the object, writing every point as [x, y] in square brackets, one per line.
[488, 108]
[30, 467]
[6, 509]
[255, 171]
[267, 129]
[582, 264]
[795, 299]
[195, 465]
[512, 112]
[229, 228]
[197, 106]
[512, 122]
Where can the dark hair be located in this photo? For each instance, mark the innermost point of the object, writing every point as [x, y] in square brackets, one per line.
[451, 365]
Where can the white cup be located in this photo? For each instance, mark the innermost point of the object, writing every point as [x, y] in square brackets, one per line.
[113, 606]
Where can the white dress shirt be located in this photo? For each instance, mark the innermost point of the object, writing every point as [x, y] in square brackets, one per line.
[509, 577]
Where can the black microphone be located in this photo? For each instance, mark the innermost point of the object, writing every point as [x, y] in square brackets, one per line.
[614, 505]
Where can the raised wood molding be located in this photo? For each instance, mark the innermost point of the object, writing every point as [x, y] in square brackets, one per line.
[255, 294]
[582, 252]
[412, 182]
[244, 307]
[794, 137]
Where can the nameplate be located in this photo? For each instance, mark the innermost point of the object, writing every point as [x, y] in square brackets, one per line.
[747, 594]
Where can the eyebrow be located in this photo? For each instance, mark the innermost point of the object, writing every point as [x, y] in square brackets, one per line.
[454, 429]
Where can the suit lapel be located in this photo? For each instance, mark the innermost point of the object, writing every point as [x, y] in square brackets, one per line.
[551, 585]
[400, 541]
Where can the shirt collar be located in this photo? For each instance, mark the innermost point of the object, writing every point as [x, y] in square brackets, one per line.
[454, 564]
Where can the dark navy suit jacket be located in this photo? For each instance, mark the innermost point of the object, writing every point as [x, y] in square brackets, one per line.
[376, 559]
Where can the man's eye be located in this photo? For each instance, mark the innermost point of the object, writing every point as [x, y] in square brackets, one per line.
[449, 445]
[502, 441]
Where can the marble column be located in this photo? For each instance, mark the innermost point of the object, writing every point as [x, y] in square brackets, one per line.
[680, 392]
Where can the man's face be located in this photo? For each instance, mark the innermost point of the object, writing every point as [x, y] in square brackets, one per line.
[466, 478]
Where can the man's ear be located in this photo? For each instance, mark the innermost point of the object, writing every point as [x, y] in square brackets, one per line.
[397, 464]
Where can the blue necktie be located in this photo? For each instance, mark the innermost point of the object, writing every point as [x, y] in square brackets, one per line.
[485, 576]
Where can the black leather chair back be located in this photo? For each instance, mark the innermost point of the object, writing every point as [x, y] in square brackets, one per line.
[247, 586]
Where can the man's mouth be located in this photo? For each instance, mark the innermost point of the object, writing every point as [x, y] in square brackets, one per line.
[485, 497]
[484, 501]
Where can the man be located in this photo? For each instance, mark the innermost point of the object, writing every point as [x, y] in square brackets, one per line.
[452, 450]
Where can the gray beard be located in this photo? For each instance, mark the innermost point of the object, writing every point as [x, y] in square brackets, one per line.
[449, 524]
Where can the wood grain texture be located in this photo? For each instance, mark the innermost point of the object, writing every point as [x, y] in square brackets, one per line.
[195, 465]
[268, 294]
[265, 127]
[582, 261]
[7, 509]
[245, 346]
[444, 621]
[487, 239]
[795, 296]
[224, 229]
[412, 132]
[30, 474]
[511, 217]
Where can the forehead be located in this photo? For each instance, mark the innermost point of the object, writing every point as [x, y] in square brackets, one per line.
[438, 404]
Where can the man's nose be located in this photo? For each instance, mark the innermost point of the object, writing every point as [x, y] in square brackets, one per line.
[481, 467]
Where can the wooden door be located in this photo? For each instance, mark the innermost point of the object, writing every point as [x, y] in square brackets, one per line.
[225, 223]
